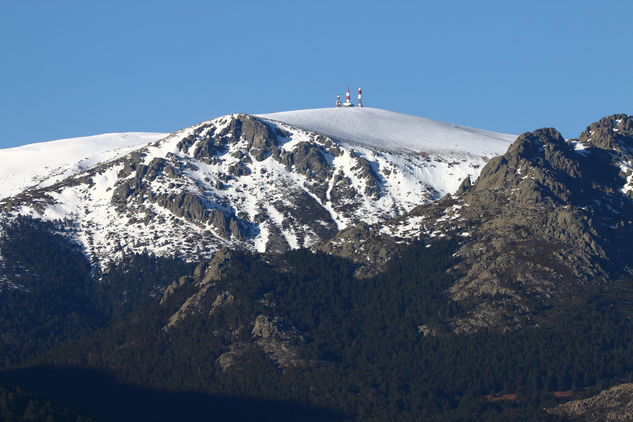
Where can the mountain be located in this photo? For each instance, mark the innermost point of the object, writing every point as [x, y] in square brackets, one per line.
[496, 302]
[547, 221]
[248, 182]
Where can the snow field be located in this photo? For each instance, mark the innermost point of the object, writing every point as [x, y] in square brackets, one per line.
[395, 131]
[45, 163]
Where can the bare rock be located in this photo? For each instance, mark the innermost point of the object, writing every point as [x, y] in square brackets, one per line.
[278, 340]
[612, 405]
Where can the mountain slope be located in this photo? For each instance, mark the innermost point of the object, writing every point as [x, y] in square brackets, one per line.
[300, 327]
[44, 163]
[244, 182]
[548, 221]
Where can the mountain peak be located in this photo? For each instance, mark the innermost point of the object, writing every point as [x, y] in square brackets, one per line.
[609, 133]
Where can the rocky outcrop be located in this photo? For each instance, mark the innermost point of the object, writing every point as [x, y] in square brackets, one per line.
[260, 138]
[308, 159]
[200, 285]
[217, 267]
[369, 176]
[612, 405]
[278, 340]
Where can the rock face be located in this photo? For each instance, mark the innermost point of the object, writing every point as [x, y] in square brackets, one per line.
[548, 219]
[241, 325]
[278, 340]
[612, 405]
[240, 182]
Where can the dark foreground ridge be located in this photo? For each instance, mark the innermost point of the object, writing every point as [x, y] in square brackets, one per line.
[99, 396]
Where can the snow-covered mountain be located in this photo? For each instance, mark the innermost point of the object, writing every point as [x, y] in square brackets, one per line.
[44, 163]
[265, 183]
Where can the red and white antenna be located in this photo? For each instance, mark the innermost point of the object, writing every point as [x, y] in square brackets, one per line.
[347, 102]
[360, 97]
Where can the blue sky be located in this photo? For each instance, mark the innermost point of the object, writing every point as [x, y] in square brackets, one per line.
[74, 68]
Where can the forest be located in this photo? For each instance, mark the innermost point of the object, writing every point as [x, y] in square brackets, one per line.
[70, 330]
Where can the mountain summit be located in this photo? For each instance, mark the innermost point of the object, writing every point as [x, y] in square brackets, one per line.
[391, 131]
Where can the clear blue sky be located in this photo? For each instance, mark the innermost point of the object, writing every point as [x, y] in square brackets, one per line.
[74, 68]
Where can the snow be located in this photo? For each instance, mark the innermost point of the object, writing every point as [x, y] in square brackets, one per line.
[579, 147]
[408, 227]
[627, 169]
[394, 131]
[45, 163]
